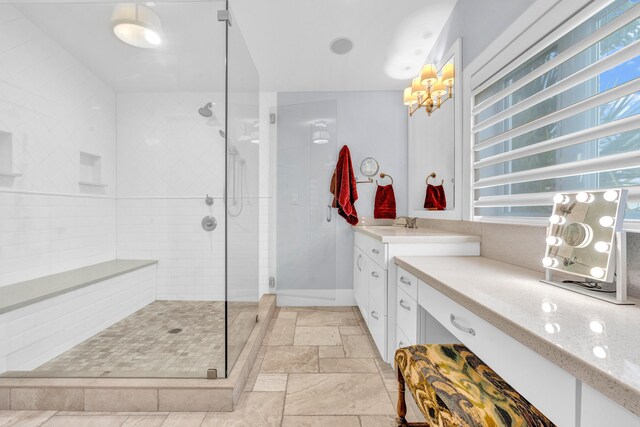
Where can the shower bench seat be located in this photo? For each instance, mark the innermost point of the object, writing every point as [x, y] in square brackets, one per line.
[44, 317]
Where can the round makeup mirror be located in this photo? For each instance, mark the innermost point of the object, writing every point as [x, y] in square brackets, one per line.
[369, 167]
[577, 235]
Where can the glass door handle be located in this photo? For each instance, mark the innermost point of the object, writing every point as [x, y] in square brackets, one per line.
[329, 213]
[358, 262]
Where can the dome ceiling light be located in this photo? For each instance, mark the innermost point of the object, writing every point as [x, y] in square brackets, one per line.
[137, 25]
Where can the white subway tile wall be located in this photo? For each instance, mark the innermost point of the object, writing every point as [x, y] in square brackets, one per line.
[191, 260]
[47, 234]
[168, 159]
[166, 149]
[32, 335]
[52, 108]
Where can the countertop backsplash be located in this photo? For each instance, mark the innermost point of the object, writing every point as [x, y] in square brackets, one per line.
[524, 245]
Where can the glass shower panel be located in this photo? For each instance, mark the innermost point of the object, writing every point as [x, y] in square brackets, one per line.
[307, 154]
[118, 152]
[241, 195]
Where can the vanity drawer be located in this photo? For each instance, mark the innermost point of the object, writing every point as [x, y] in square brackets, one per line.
[375, 249]
[407, 315]
[378, 287]
[377, 324]
[551, 389]
[401, 339]
[407, 282]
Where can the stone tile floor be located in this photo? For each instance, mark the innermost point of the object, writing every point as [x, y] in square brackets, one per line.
[316, 367]
[140, 345]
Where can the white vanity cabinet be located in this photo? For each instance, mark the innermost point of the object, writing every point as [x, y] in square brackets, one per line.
[501, 313]
[374, 274]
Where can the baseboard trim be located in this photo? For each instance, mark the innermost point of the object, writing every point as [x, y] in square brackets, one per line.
[316, 298]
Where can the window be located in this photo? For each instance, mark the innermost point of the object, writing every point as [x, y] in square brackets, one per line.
[562, 117]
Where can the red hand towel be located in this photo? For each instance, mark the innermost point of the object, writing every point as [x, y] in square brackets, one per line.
[385, 205]
[442, 199]
[435, 198]
[345, 190]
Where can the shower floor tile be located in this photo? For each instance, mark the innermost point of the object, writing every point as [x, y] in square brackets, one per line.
[163, 339]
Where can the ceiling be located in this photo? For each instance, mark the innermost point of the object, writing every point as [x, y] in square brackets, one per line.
[288, 40]
[191, 57]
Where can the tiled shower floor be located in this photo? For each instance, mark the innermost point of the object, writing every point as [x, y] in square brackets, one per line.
[142, 346]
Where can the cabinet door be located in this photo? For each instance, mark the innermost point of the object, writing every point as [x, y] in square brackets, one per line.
[598, 411]
[361, 281]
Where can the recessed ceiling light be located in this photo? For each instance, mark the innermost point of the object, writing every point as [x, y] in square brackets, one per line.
[137, 25]
[341, 45]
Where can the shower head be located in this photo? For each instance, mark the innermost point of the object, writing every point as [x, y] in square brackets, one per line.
[206, 111]
[222, 134]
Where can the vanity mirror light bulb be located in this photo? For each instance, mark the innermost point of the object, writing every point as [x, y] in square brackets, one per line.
[584, 197]
[554, 241]
[601, 247]
[606, 221]
[610, 195]
[562, 199]
[557, 219]
[549, 262]
[597, 272]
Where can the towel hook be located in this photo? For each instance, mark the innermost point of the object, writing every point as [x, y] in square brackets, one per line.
[433, 175]
[386, 175]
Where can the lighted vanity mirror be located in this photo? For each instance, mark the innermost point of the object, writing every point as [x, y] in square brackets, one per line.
[581, 237]
[435, 142]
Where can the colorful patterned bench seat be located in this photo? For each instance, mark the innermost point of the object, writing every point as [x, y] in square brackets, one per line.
[454, 388]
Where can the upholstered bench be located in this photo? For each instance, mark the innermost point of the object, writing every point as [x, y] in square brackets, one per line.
[454, 388]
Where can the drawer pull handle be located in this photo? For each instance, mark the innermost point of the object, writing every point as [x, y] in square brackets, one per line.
[375, 251]
[374, 314]
[406, 307]
[452, 318]
[374, 274]
[405, 280]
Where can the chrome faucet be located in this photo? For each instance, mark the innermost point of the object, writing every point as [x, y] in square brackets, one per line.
[410, 222]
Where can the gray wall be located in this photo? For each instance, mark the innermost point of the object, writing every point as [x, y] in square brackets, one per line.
[372, 124]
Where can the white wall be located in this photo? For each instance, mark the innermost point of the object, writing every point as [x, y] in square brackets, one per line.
[372, 124]
[51, 109]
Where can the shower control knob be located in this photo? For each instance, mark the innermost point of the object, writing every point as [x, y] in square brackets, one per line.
[209, 223]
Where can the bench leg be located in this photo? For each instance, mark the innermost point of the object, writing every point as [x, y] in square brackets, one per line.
[402, 404]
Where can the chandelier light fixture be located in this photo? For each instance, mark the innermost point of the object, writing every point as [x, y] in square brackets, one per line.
[429, 90]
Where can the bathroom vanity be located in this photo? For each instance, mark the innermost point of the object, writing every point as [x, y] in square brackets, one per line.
[374, 272]
[575, 358]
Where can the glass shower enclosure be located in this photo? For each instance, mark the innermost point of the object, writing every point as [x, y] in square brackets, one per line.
[128, 132]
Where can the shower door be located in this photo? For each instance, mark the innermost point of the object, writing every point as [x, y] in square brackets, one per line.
[306, 229]
[241, 193]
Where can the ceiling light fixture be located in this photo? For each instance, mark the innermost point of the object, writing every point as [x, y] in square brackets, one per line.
[319, 133]
[137, 25]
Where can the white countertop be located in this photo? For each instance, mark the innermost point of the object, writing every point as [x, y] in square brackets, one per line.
[400, 234]
[595, 341]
